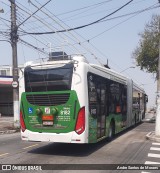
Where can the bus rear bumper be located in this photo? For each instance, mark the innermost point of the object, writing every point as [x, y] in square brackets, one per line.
[71, 137]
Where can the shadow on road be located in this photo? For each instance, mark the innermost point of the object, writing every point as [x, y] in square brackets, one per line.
[77, 150]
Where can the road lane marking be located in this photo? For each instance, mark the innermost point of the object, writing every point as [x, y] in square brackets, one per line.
[150, 163]
[155, 148]
[155, 143]
[145, 172]
[154, 155]
[4, 154]
[30, 146]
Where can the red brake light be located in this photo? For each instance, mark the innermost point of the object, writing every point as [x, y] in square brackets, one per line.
[23, 127]
[80, 124]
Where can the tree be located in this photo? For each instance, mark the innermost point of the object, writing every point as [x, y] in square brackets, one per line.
[147, 52]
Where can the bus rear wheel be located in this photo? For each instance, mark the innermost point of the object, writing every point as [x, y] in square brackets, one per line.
[111, 131]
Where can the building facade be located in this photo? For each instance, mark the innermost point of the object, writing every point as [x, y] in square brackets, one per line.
[6, 91]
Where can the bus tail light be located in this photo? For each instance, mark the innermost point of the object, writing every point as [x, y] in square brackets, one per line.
[23, 126]
[80, 124]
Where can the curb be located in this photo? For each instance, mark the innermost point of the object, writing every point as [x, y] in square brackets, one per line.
[151, 136]
[8, 132]
[149, 120]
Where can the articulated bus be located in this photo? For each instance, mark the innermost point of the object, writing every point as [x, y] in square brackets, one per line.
[73, 101]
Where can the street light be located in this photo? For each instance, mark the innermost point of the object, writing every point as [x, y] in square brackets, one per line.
[127, 69]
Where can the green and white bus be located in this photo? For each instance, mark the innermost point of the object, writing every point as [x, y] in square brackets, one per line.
[73, 101]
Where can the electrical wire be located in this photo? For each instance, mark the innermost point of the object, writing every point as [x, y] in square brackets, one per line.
[135, 14]
[84, 47]
[83, 26]
[82, 8]
[88, 51]
[5, 20]
[95, 47]
[85, 11]
[32, 25]
[79, 43]
[36, 48]
[48, 26]
[34, 12]
[89, 39]
[45, 24]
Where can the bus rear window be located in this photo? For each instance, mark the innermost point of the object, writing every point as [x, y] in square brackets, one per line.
[50, 79]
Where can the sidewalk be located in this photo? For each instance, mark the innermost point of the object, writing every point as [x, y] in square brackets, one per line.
[7, 125]
[151, 117]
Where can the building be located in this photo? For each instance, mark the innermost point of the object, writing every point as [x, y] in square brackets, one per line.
[6, 91]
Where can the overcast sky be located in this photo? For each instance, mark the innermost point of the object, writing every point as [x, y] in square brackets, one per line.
[113, 39]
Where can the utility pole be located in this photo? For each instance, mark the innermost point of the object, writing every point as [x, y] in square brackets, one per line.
[157, 128]
[15, 85]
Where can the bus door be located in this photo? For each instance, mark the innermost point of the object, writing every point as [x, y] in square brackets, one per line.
[139, 107]
[97, 107]
[101, 108]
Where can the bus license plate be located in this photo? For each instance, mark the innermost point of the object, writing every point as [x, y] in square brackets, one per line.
[48, 123]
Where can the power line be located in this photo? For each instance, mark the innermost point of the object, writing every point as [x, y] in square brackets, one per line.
[4, 19]
[86, 7]
[88, 10]
[34, 13]
[38, 19]
[36, 48]
[83, 26]
[79, 43]
[49, 26]
[84, 47]
[71, 18]
[95, 48]
[135, 14]
[85, 11]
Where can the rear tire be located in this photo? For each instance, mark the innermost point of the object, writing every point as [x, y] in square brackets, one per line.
[111, 131]
[135, 119]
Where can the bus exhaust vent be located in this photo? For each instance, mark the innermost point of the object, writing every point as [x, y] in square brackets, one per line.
[48, 99]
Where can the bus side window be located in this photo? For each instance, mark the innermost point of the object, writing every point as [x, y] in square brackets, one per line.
[101, 96]
[114, 98]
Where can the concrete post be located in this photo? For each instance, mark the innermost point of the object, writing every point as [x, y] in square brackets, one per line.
[14, 39]
[157, 128]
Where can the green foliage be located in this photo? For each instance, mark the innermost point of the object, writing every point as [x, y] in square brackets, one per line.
[147, 52]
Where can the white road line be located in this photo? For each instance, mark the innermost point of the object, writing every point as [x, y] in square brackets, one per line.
[155, 148]
[30, 146]
[155, 143]
[154, 155]
[151, 163]
[4, 154]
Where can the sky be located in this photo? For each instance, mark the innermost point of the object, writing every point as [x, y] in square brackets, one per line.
[113, 39]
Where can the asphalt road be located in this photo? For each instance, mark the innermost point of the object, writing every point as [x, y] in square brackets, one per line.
[130, 147]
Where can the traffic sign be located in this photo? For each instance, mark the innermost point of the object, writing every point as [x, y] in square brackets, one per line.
[14, 84]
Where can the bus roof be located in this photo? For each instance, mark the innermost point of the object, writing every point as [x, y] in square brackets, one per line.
[80, 58]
